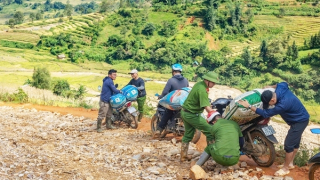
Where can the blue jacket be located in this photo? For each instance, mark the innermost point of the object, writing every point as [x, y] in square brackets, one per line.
[174, 83]
[108, 89]
[288, 106]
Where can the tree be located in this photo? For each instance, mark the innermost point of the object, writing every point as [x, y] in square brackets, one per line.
[68, 9]
[210, 18]
[263, 49]
[60, 87]
[213, 60]
[295, 51]
[41, 78]
[107, 5]
[38, 16]
[149, 29]
[18, 1]
[282, 12]
[11, 23]
[18, 16]
[32, 16]
[246, 56]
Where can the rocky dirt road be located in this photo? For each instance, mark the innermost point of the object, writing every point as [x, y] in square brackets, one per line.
[49, 145]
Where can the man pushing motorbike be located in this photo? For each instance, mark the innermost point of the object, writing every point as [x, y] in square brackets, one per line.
[192, 108]
[292, 112]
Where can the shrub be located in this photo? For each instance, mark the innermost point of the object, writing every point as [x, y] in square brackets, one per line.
[61, 86]
[41, 78]
[19, 96]
[149, 29]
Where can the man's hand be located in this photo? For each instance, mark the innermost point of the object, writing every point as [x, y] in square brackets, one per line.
[244, 103]
[208, 109]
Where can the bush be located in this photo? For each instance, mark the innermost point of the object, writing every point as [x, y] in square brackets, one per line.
[41, 78]
[60, 87]
[149, 29]
[19, 96]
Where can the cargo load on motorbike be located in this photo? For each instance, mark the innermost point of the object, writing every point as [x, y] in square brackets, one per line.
[175, 99]
[130, 92]
[117, 101]
[240, 114]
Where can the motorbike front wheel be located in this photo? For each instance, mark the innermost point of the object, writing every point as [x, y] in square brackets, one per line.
[314, 171]
[132, 120]
[154, 124]
[265, 147]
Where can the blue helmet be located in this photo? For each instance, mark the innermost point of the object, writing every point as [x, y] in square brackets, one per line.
[177, 67]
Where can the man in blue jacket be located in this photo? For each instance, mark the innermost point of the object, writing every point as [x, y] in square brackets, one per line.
[176, 82]
[292, 111]
[108, 89]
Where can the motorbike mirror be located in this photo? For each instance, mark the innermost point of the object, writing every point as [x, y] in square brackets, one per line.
[157, 94]
[99, 88]
[229, 97]
[210, 100]
[116, 85]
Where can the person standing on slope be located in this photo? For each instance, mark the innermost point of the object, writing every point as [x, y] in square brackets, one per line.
[192, 108]
[105, 110]
[139, 84]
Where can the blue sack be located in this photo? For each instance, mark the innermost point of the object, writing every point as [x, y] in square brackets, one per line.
[117, 101]
[175, 99]
[130, 92]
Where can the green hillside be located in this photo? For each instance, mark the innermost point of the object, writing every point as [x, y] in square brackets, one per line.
[250, 44]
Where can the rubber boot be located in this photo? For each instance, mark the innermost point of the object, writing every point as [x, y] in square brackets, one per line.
[109, 125]
[99, 121]
[184, 152]
[203, 158]
[140, 117]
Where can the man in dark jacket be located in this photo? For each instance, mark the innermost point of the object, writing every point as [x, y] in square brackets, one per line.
[139, 84]
[292, 111]
[174, 83]
[108, 89]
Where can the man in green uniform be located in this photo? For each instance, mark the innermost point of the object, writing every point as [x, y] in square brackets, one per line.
[192, 108]
[228, 140]
[139, 84]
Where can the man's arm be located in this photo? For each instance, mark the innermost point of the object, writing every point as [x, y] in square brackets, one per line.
[113, 88]
[166, 89]
[141, 85]
[263, 112]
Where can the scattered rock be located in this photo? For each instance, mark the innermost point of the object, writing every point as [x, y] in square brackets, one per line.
[243, 165]
[196, 172]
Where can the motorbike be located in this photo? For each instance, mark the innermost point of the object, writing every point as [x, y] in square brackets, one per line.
[175, 124]
[258, 136]
[314, 172]
[127, 114]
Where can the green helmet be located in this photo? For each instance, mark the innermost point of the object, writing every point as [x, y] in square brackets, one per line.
[211, 76]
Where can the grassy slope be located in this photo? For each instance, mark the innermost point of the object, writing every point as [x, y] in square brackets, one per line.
[25, 60]
[9, 10]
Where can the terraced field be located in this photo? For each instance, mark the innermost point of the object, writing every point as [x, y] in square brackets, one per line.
[31, 32]
[299, 27]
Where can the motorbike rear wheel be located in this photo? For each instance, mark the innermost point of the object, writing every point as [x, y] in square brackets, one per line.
[314, 171]
[132, 120]
[266, 159]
